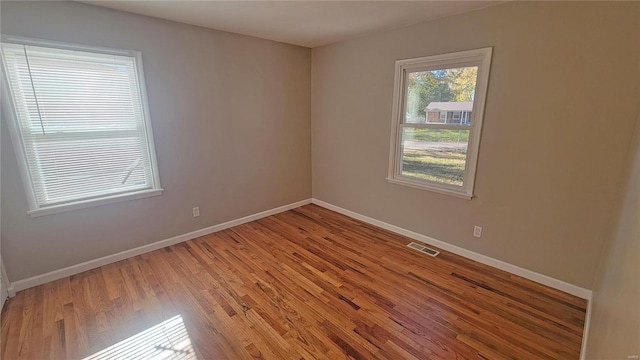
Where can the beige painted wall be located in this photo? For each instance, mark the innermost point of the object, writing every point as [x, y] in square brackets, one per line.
[615, 320]
[230, 116]
[561, 107]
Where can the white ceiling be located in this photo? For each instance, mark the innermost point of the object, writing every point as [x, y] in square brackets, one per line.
[304, 23]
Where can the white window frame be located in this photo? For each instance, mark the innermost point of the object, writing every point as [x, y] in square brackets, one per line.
[7, 103]
[478, 57]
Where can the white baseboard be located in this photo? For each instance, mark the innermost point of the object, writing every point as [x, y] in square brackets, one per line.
[92, 264]
[516, 270]
[5, 287]
[585, 330]
[11, 291]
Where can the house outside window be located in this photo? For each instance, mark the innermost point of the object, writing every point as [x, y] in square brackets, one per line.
[449, 112]
[79, 123]
[448, 92]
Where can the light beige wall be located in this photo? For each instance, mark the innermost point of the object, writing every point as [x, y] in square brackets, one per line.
[615, 320]
[230, 116]
[561, 106]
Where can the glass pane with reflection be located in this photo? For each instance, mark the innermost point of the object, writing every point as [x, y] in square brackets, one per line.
[440, 96]
[434, 154]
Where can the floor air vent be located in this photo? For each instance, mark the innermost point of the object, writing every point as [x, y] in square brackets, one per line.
[423, 249]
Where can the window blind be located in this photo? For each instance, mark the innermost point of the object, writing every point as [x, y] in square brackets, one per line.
[81, 120]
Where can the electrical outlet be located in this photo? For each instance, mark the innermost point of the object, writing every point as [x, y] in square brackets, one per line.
[477, 231]
[196, 211]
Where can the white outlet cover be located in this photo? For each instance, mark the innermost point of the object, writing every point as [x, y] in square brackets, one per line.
[477, 231]
[196, 211]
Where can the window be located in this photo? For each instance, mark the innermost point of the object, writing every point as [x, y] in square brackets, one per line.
[439, 155]
[79, 124]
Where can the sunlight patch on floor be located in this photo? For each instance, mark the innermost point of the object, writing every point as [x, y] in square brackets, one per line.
[167, 340]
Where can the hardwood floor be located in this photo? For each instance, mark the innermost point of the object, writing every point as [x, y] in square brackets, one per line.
[304, 284]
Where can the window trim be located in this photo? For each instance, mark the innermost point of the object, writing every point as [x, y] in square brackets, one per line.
[477, 57]
[18, 145]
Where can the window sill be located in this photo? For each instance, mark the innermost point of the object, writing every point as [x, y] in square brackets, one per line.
[422, 186]
[94, 202]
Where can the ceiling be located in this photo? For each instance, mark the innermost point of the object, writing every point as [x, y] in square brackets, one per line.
[304, 23]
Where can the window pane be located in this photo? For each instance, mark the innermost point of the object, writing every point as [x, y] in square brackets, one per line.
[440, 96]
[85, 168]
[81, 121]
[83, 93]
[434, 154]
